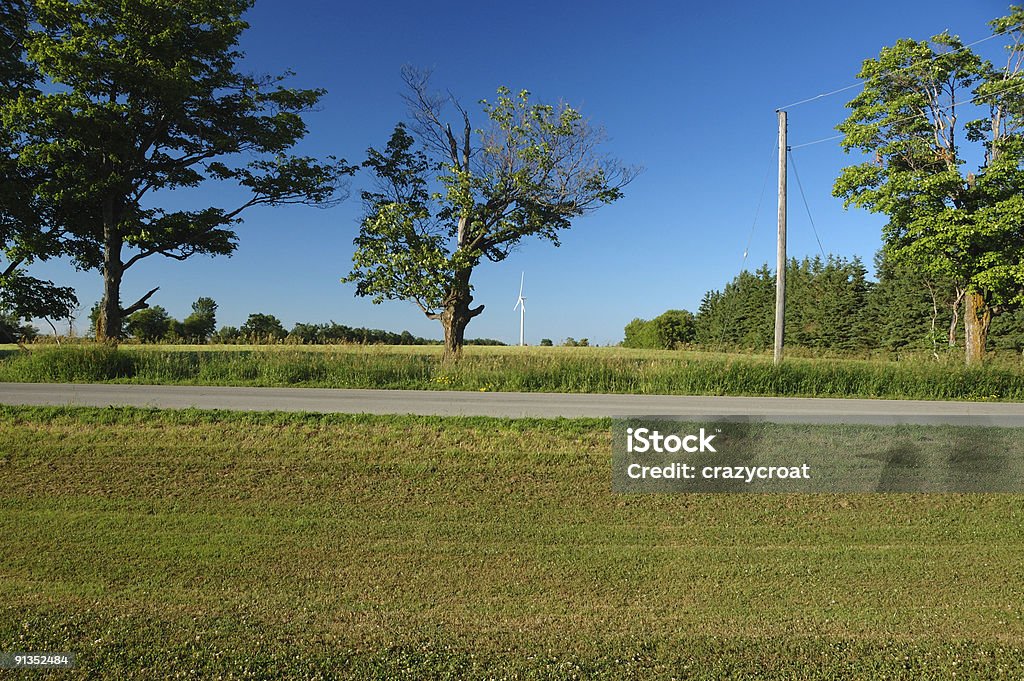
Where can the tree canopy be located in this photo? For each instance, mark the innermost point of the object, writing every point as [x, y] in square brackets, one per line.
[671, 329]
[446, 198]
[922, 103]
[139, 99]
[27, 232]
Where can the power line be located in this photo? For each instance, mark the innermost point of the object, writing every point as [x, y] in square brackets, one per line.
[821, 96]
[807, 207]
[730, 313]
[973, 100]
[808, 144]
[889, 73]
[760, 200]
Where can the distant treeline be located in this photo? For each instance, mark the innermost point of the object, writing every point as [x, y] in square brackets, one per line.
[830, 304]
[155, 325]
[328, 334]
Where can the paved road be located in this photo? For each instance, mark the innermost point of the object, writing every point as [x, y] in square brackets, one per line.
[548, 405]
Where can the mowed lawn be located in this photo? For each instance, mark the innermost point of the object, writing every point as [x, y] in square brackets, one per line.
[202, 544]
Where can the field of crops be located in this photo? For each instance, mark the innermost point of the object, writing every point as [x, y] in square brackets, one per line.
[160, 544]
[586, 370]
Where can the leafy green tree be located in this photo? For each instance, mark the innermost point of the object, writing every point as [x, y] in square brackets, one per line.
[12, 330]
[477, 341]
[263, 328]
[910, 121]
[452, 198]
[640, 333]
[200, 325]
[226, 335]
[23, 297]
[24, 234]
[306, 334]
[666, 331]
[674, 328]
[139, 99]
[546, 343]
[150, 325]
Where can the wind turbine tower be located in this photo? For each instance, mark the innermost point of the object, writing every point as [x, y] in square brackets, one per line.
[521, 305]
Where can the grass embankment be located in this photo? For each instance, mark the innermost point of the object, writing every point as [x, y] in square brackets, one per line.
[197, 544]
[586, 370]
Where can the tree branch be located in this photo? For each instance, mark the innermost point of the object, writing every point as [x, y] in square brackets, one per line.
[139, 304]
[15, 264]
[426, 311]
[137, 257]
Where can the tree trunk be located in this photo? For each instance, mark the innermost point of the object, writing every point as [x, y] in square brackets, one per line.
[457, 314]
[955, 319]
[108, 326]
[454, 325]
[977, 317]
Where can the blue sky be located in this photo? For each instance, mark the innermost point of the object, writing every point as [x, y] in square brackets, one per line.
[687, 90]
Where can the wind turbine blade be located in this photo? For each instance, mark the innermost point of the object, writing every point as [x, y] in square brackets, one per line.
[522, 280]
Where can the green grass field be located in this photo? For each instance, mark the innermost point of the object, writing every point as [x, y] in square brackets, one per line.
[585, 370]
[202, 545]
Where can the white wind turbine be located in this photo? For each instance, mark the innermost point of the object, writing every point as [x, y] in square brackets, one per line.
[521, 305]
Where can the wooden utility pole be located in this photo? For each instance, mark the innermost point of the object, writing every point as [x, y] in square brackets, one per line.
[780, 265]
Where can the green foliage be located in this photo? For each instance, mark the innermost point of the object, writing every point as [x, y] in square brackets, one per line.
[24, 297]
[94, 317]
[141, 98]
[1007, 331]
[826, 307]
[262, 328]
[400, 254]
[910, 121]
[674, 328]
[671, 329]
[25, 235]
[12, 330]
[546, 343]
[640, 333]
[332, 333]
[200, 325]
[913, 309]
[226, 335]
[741, 315]
[831, 306]
[445, 202]
[491, 342]
[149, 325]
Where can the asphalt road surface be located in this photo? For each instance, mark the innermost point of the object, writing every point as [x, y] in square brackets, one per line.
[542, 405]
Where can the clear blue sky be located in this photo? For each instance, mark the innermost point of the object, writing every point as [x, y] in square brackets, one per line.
[687, 90]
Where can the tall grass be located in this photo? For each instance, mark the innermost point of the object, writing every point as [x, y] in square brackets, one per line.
[516, 369]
